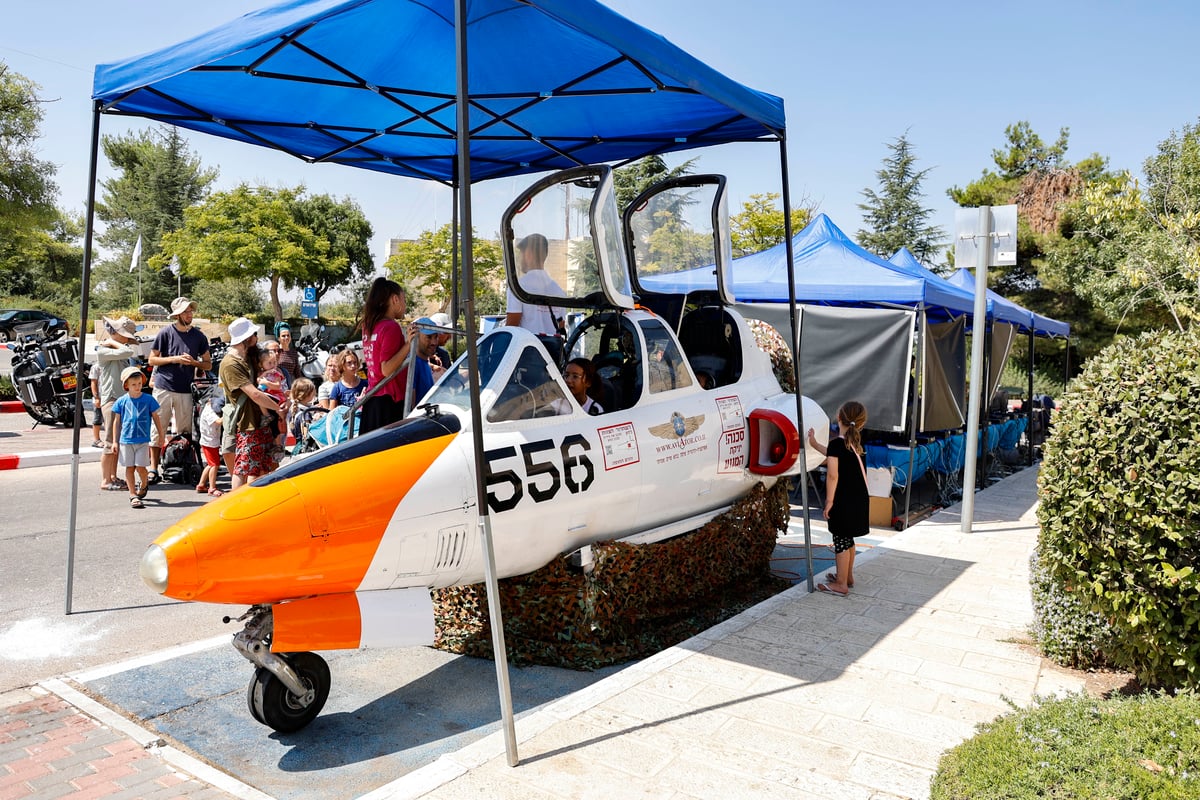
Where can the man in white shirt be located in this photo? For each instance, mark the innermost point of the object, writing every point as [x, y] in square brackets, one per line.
[538, 318]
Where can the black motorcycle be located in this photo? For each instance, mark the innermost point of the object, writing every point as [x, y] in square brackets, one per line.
[43, 372]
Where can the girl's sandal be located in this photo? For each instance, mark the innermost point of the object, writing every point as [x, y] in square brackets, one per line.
[215, 493]
[136, 502]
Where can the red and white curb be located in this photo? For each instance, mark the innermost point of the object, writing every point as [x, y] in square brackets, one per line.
[46, 458]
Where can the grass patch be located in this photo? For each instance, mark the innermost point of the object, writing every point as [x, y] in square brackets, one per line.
[1145, 747]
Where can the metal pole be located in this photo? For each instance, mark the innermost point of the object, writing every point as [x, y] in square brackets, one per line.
[455, 264]
[985, 403]
[922, 320]
[801, 429]
[80, 371]
[1029, 406]
[499, 652]
[983, 249]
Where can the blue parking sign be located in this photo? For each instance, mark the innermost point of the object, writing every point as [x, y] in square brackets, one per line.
[308, 310]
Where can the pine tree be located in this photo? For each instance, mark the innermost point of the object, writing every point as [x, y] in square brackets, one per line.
[894, 215]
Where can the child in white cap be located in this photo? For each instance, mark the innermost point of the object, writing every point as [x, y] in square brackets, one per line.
[132, 414]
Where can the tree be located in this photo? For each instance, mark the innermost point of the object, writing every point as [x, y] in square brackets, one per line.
[27, 190]
[343, 225]
[894, 215]
[634, 178]
[1042, 195]
[1135, 253]
[251, 234]
[159, 178]
[759, 225]
[426, 266]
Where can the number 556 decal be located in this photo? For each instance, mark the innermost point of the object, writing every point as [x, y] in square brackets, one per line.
[545, 471]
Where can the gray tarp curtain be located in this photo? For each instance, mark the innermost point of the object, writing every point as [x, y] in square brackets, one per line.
[1003, 336]
[944, 378]
[862, 354]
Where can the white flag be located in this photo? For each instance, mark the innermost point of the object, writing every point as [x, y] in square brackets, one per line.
[174, 265]
[137, 254]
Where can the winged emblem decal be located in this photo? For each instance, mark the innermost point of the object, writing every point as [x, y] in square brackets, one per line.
[678, 427]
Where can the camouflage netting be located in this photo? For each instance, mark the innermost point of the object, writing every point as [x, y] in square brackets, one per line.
[638, 599]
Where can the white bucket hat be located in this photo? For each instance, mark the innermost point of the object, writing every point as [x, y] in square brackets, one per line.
[441, 319]
[241, 329]
[179, 305]
[122, 325]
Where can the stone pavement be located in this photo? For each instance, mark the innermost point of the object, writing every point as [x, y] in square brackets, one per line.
[802, 696]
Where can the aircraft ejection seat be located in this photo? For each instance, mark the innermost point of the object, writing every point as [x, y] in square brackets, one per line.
[710, 341]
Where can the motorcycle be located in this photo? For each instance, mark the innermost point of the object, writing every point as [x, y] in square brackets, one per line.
[43, 372]
[314, 354]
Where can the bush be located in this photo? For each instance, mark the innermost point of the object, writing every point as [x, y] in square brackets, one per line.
[1133, 748]
[1120, 502]
[7, 390]
[1065, 631]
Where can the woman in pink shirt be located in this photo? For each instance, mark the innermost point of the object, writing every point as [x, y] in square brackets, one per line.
[385, 348]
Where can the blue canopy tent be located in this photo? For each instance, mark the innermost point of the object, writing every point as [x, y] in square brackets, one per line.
[1040, 325]
[997, 307]
[830, 270]
[432, 89]
[304, 78]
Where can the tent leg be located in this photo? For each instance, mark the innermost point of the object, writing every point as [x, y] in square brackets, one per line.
[80, 368]
[1029, 407]
[801, 429]
[463, 132]
[918, 394]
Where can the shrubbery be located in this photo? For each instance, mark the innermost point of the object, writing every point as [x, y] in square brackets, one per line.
[1120, 502]
[1065, 631]
[1079, 748]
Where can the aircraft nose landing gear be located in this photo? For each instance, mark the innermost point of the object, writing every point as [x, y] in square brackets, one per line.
[287, 690]
[275, 705]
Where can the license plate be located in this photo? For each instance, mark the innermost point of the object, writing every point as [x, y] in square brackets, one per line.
[68, 381]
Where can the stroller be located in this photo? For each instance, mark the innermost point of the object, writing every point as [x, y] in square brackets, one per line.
[316, 428]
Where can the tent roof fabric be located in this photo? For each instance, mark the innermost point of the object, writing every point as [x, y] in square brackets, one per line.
[1007, 310]
[830, 269]
[371, 84]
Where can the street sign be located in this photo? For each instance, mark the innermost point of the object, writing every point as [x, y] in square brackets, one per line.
[308, 309]
[1002, 227]
[310, 294]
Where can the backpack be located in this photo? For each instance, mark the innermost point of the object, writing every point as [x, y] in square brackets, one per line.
[180, 461]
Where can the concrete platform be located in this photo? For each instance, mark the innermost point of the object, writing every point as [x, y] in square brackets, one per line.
[802, 696]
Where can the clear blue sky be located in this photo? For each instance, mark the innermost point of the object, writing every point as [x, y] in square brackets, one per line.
[853, 75]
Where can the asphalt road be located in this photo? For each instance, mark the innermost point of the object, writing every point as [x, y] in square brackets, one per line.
[168, 665]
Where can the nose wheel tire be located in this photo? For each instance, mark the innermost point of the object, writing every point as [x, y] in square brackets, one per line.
[272, 704]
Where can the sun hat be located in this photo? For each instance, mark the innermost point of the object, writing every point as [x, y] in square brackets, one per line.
[128, 373]
[122, 325]
[241, 329]
[441, 319]
[179, 305]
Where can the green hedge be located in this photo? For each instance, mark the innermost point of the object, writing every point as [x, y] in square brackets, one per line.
[1120, 501]
[1080, 748]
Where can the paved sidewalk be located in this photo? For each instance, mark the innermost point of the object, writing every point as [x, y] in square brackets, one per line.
[802, 696]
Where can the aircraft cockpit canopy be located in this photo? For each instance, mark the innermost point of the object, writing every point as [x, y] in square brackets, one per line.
[562, 242]
[679, 228]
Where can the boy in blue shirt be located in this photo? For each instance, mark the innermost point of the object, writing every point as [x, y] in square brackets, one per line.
[132, 414]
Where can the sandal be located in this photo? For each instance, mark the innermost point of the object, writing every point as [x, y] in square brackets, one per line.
[832, 578]
[141, 492]
[201, 489]
[113, 486]
[136, 502]
[152, 476]
[215, 493]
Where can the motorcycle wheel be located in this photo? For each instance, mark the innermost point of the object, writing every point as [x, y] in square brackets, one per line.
[44, 413]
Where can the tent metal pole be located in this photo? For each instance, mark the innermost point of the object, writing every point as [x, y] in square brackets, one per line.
[922, 320]
[1029, 407]
[80, 368]
[984, 403]
[801, 429]
[463, 134]
[455, 263]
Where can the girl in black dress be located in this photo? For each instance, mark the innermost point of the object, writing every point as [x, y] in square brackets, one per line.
[847, 504]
